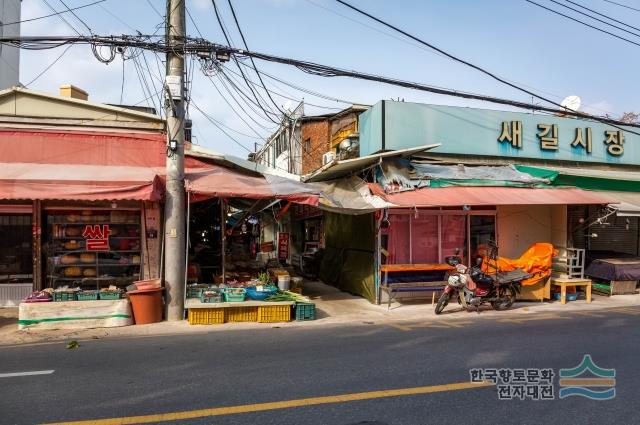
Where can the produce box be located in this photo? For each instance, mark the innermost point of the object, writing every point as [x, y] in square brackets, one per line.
[64, 296]
[87, 295]
[241, 314]
[206, 316]
[110, 295]
[305, 311]
[211, 296]
[234, 294]
[274, 313]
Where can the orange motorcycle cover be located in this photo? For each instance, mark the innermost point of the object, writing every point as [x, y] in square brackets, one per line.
[537, 261]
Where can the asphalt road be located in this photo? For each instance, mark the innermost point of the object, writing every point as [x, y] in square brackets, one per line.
[115, 378]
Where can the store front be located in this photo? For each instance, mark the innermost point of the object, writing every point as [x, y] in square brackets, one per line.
[429, 236]
[16, 254]
[92, 247]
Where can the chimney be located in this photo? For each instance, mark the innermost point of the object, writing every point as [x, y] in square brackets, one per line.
[68, 90]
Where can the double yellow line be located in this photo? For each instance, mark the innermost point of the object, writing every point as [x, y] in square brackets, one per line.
[287, 404]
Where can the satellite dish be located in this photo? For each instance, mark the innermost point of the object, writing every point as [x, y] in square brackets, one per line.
[287, 105]
[571, 103]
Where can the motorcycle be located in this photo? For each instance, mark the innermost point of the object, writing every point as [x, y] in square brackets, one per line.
[473, 287]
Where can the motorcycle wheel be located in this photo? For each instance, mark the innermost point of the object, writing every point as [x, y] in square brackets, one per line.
[442, 302]
[507, 296]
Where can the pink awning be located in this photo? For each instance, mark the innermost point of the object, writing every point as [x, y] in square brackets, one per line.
[78, 182]
[221, 182]
[475, 196]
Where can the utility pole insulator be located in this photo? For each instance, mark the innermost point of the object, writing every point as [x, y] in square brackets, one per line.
[175, 256]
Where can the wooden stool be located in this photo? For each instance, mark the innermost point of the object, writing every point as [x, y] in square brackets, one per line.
[564, 282]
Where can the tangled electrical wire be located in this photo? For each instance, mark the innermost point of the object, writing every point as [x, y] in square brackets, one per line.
[211, 53]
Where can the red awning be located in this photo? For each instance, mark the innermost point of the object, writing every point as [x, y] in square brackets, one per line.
[474, 196]
[78, 182]
[216, 181]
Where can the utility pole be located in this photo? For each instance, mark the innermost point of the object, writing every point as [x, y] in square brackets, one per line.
[174, 210]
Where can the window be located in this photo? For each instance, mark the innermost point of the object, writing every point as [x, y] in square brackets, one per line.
[16, 264]
[92, 248]
[307, 145]
[431, 236]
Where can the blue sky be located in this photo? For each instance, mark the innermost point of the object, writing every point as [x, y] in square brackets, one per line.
[516, 40]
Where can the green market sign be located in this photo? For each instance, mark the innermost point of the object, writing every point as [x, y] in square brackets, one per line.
[484, 132]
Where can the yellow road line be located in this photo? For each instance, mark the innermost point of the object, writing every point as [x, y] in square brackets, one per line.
[259, 407]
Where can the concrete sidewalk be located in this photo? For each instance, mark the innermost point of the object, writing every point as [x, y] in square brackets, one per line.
[333, 308]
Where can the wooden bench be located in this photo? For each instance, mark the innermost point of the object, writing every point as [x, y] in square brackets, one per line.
[392, 289]
[564, 282]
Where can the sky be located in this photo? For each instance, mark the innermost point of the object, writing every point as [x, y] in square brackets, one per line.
[514, 39]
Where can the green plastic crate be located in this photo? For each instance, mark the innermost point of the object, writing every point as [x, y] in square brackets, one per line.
[87, 295]
[305, 311]
[110, 295]
[211, 295]
[194, 292]
[64, 296]
[234, 295]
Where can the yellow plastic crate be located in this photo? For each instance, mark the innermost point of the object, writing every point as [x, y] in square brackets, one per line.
[274, 313]
[241, 314]
[206, 316]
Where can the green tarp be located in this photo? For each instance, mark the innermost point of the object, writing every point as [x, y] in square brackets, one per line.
[348, 261]
[557, 178]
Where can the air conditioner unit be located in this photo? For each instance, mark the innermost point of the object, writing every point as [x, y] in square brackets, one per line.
[328, 157]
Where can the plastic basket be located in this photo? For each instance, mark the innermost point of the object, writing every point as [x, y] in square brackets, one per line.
[211, 296]
[234, 295]
[274, 313]
[64, 296]
[305, 311]
[267, 291]
[87, 295]
[110, 295]
[194, 292]
[241, 314]
[206, 316]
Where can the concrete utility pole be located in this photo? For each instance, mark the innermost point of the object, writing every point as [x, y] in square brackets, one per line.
[174, 210]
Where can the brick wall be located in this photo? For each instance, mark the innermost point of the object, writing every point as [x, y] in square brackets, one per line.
[315, 142]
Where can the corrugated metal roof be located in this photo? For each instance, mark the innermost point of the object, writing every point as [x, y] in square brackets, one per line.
[340, 168]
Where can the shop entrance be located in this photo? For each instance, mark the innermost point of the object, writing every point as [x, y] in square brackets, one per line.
[16, 255]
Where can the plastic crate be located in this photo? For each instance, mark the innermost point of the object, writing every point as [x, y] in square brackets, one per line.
[234, 295]
[64, 296]
[274, 313]
[206, 316]
[87, 295]
[305, 311]
[194, 292]
[110, 295]
[241, 314]
[211, 296]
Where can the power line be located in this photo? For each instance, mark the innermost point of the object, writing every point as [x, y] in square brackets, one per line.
[246, 46]
[228, 39]
[51, 14]
[581, 22]
[594, 18]
[603, 15]
[59, 15]
[155, 10]
[285, 96]
[77, 17]
[198, 46]
[49, 66]
[449, 55]
[622, 5]
[212, 121]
